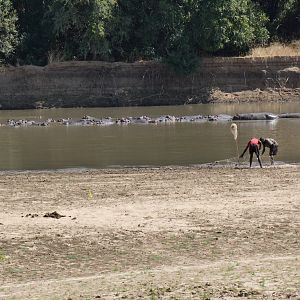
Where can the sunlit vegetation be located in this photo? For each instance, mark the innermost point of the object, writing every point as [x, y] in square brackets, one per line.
[178, 32]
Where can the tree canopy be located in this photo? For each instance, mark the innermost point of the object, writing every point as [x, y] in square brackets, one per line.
[79, 28]
[8, 31]
[229, 26]
[175, 31]
[283, 18]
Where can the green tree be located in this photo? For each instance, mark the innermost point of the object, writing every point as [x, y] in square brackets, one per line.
[228, 26]
[79, 29]
[152, 29]
[289, 26]
[175, 31]
[279, 13]
[34, 31]
[8, 30]
[183, 57]
[147, 28]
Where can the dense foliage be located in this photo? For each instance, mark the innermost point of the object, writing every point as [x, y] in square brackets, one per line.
[279, 13]
[228, 26]
[33, 31]
[175, 31]
[79, 28]
[8, 31]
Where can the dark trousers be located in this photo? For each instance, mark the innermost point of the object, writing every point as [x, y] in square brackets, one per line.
[273, 150]
[253, 148]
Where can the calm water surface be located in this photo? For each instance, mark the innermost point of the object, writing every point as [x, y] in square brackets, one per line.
[57, 146]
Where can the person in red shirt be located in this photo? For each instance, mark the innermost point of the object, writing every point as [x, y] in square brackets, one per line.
[254, 146]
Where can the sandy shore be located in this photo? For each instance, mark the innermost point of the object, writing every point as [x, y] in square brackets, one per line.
[165, 233]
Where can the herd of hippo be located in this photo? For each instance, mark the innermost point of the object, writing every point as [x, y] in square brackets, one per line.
[88, 120]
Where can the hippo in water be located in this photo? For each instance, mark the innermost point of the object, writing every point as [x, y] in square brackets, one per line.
[290, 116]
[255, 116]
[221, 117]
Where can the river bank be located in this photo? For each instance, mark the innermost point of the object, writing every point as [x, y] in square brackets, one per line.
[151, 233]
[102, 84]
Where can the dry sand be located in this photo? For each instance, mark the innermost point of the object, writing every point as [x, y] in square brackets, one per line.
[165, 233]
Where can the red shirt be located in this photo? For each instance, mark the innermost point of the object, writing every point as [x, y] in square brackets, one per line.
[254, 141]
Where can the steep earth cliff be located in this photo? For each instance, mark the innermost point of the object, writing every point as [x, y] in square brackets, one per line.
[97, 84]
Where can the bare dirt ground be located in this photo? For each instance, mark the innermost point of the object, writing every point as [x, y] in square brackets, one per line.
[165, 233]
[255, 96]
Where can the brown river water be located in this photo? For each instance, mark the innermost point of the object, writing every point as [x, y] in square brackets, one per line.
[61, 147]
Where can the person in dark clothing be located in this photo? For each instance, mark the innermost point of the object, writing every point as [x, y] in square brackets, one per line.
[272, 145]
[254, 146]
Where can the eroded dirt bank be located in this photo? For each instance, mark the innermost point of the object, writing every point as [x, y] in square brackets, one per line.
[101, 84]
[166, 233]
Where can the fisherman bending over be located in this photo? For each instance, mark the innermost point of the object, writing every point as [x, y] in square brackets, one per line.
[254, 146]
[272, 144]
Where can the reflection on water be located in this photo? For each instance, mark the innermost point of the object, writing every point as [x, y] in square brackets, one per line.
[138, 145]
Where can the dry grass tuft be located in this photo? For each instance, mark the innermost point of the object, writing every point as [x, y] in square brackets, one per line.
[54, 57]
[277, 49]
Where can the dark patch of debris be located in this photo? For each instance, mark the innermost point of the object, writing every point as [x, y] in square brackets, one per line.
[54, 215]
